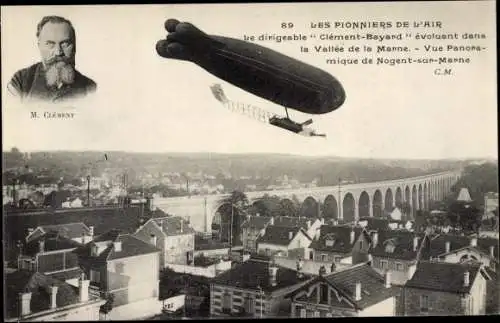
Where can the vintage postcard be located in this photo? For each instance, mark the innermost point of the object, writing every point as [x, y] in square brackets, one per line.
[270, 160]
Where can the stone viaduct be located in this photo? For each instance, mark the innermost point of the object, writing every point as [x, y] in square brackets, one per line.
[360, 199]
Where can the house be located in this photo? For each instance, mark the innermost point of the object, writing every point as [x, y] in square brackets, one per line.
[439, 288]
[78, 231]
[397, 251]
[456, 249]
[355, 291]
[122, 265]
[32, 296]
[254, 227]
[173, 236]
[340, 243]
[52, 255]
[254, 288]
[286, 241]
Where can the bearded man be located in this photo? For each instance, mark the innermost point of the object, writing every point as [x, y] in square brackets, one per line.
[55, 78]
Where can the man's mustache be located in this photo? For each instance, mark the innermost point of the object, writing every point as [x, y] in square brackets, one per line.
[59, 59]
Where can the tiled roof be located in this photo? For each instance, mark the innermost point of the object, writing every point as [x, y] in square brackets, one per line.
[69, 230]
[341, 237]
[397, 244]
[252, 273]
[37, 284]
[373, 288]
[256, 222]
[172, 226]
[279, 235]
[52, 241]
[380, 223]
[292, 221]
[443, 276]
[130, 247]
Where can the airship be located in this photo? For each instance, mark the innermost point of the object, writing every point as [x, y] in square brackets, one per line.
[256, 69]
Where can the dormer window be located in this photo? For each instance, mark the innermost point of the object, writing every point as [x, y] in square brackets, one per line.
[389, 248]
[329, 240]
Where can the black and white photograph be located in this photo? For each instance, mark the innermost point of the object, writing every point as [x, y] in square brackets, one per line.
[250, 161]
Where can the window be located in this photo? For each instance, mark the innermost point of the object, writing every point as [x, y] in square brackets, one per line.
[268, 252]
[226, 303]
[324, 258]
[389, 248]
[424, 303]
[361, 244]
[329, 314]
[95, 276]
[338, 259]
[311, 255]
[303, 312]
[399, 266]
[316, 314]
[384, 264]
[324, 294]
[250, 305]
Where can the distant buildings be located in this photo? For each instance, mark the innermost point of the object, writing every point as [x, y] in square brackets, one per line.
[490, 204]
[173, 236]
[78, 232]
[283, 241]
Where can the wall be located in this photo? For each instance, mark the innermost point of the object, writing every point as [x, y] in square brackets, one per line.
[135, 311]
[134, 278]
[177, 247]
[174, 303]
[212, 252]
[440, 303]
[249, 238]
[210, 271]
[76, 312]
[309, 266]
[384, 308]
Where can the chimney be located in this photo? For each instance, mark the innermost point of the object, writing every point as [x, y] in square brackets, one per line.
[466, 279]
[117, 246]
[271, 221]
[357, 294]
[375, 239]
[370, 259]
[447, 246]
[415, 243]
[41, 245]
[387, 279]
[152, 240]
[473, 242]
[300, 264]
[318, 234]
[182, 225]
[273, 271]
[83, 288]
[492, 251]
[308, 224]
[290, 235]
[53, 296]
[322, 271]
[91, 230]
[353, 236]
[25, 303]
[322, 221]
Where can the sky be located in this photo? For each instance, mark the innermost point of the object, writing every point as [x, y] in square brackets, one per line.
[146, 103]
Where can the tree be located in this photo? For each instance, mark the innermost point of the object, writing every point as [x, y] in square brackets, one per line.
[406, 209]
[288, 208]
[235, 206]
[478, 179]
[466, 215]
[267, 206]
